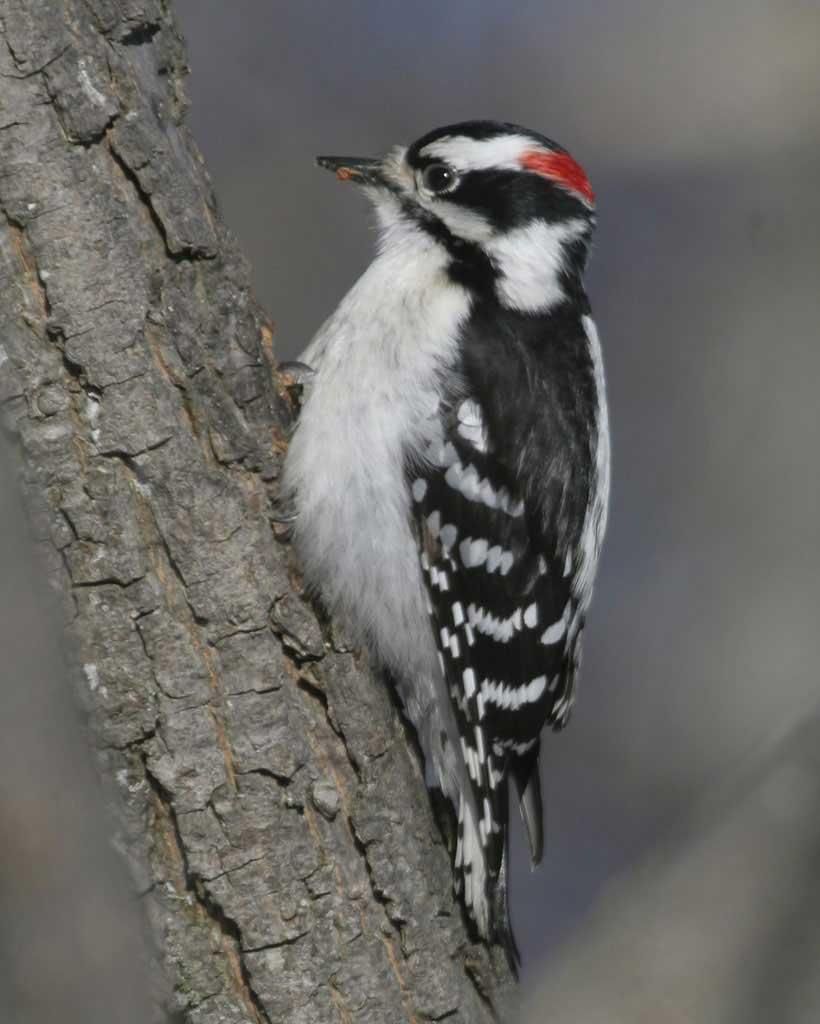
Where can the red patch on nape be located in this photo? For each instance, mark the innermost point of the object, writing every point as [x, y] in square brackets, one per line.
[559, 167]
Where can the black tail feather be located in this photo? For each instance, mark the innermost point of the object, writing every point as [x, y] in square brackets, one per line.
[504, 935]
[527, 773]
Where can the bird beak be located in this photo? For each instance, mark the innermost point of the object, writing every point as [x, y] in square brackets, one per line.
[361, 170]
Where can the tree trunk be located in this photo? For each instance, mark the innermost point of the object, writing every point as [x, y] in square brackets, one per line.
[273, 815]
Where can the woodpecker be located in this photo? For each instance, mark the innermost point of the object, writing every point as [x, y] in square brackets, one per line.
[449, 472]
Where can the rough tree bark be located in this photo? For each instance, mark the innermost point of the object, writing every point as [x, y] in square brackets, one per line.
[273, 818]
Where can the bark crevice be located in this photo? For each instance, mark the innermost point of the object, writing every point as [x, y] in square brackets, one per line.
[228, 928]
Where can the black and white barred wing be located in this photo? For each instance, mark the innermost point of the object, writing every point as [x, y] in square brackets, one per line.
[504, 617]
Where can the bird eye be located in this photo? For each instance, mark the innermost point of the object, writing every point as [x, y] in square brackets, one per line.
[439, 178]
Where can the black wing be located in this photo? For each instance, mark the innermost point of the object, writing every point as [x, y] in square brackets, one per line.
[500, 537]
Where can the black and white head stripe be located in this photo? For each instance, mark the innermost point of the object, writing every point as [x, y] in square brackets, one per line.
[487, 146]
[513, 208]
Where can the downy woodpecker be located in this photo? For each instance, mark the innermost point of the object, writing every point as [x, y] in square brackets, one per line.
[449, 473]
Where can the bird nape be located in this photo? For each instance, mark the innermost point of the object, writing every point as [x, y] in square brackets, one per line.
[450, 468]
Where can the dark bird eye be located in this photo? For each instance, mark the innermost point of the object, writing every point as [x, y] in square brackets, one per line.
[439, 178]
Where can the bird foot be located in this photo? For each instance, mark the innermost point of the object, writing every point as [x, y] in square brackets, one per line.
[296, 375]
[297, 378]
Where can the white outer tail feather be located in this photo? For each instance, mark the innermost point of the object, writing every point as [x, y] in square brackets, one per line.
[472, 867]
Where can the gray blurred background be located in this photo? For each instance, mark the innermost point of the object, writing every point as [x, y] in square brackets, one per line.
[698, 124]
[71, 946]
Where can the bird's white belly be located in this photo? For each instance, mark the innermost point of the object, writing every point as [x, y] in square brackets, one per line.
[353, 533]
[371, 406]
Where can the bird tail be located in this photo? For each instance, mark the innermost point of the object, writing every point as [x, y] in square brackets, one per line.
[471, 879]
[504, 934]
[479, 880]
[526, 771]
[527, 775]
[485, 893]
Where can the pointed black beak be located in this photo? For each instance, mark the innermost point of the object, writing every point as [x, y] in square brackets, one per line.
[361, 170]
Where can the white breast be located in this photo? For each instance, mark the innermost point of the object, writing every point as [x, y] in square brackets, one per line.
[372, 402]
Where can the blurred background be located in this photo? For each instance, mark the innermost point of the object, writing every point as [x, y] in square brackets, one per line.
[699, 126]
[71, 946]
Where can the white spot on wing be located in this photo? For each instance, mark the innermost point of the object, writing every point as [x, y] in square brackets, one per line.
[552, 634]
[499, 746]
[468, 752]
[470, 483]
[535, 689]
[469, 413]
[473, 552]
[487, 820]
[479, 742]
[448, 536]
[465, 481]
[471, 424]
[513, 697]
[419, 489]
[453, 475]
[488, 494]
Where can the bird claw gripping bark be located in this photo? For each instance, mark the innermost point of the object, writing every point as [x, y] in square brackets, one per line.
[297, 376]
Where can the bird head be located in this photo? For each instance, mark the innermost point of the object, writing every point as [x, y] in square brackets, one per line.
[513, 209]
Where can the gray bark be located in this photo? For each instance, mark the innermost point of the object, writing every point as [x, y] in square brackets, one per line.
[273, 816]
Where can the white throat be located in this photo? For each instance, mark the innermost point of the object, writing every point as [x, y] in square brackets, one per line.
[529, 260]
